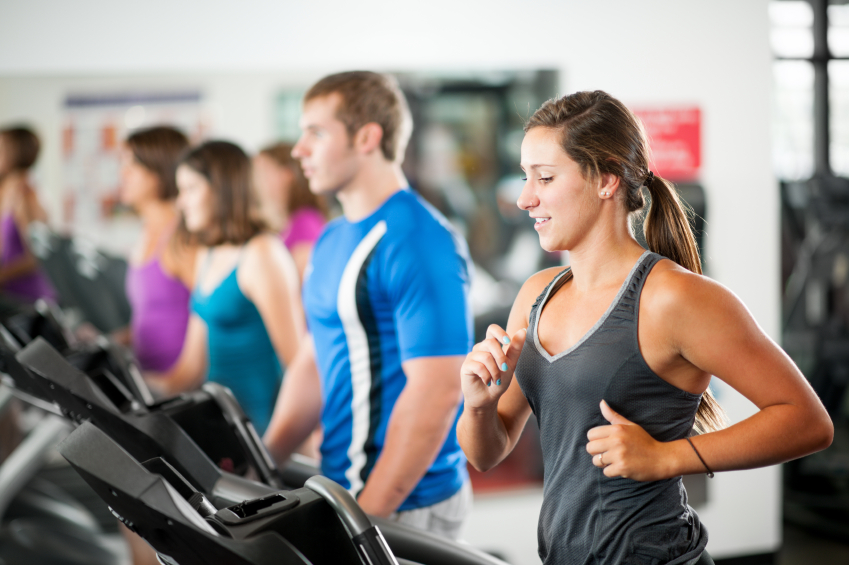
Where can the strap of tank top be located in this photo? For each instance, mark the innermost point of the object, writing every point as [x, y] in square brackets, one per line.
[558, 281]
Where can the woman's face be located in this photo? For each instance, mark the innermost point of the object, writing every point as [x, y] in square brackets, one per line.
[194, 198]
[138, 183]
[272, 182]
[555, 194]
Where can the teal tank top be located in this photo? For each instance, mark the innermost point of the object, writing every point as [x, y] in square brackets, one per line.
[241, 356]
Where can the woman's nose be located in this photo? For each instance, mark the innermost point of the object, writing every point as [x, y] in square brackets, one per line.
[527, 198]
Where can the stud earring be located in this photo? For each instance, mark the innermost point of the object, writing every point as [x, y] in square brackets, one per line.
[605, 194]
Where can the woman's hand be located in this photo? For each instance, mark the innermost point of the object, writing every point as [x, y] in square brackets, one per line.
[487, 372]
[624, 449]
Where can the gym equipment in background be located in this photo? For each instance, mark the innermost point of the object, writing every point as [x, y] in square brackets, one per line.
[203, 436]
[87, 280]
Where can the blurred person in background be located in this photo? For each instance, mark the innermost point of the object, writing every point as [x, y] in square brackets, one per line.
[161, 266]
[288, 203]
[246, 321]
[20, 275]
[386, 299]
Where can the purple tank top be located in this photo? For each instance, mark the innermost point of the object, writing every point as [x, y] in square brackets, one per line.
[160, 305]
[30, 286]
[305, 225]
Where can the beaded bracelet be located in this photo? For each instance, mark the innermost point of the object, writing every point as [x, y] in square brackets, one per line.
[709, 472]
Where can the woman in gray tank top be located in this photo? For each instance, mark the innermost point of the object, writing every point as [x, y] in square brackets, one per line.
[614, 355]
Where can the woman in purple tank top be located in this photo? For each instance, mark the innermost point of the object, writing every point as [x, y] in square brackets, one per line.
[290, 206]
[20, 275]
[160, 270]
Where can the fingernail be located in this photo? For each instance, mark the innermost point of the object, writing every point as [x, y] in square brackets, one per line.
[489, 383]
[504, 366]
[498, 382]
[505, 339]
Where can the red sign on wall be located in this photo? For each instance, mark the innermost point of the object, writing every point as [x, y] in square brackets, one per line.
[675, 139]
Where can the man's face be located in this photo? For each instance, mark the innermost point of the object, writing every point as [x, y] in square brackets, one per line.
[325, 149]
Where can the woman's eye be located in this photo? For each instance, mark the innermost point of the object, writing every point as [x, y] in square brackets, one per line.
[545, 179]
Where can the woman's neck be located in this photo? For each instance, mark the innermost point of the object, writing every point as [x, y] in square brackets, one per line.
[157, 213]
[605, 257]
[10, 185]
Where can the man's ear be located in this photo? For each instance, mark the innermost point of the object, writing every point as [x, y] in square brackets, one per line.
[368, 138]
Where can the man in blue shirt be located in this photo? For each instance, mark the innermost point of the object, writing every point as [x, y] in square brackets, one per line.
[386, 300]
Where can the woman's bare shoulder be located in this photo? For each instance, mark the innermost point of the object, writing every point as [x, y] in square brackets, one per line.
[264, 244]
[265, 253]
[537, 282]
[673, 291]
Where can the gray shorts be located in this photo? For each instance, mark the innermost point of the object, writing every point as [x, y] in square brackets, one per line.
[443, 518]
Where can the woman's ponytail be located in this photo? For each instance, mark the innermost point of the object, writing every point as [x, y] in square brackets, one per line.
[667, 227]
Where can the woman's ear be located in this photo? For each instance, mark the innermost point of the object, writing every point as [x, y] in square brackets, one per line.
[368, 138]
[608, 185]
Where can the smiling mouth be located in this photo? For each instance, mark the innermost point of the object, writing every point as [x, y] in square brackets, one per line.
[540, 221]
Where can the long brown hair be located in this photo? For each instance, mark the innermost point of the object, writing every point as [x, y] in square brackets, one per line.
[235, 209]
[22, 146]
[158, 149]
[604, 137]
[300, 195]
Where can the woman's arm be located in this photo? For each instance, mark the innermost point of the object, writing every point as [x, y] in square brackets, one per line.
[189, 369]
[30, 208]
[25, 210]
[24, 264]
[268, 278]
[708, 327]
[301, 256]
[495, 410]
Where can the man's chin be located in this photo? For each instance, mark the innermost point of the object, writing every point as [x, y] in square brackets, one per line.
[322, 189]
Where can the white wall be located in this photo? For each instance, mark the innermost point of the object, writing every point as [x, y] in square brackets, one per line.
[710, 53]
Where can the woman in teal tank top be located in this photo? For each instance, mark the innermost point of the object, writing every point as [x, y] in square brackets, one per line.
[246, 322]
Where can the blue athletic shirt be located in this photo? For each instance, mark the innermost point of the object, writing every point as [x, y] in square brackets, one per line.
[378, 292]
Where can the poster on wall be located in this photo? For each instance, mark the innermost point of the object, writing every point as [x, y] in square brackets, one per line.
[94, 126]
[675, 139]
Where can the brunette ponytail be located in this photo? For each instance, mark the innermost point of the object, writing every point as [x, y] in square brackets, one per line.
[602, 136]
[667, 227]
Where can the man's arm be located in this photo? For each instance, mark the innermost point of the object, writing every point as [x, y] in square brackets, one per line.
[298, 408]
[420, 422]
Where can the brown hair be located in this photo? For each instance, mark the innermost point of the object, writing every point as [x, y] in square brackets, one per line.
[23, 145]
[300, 195]
[368, 97]
[235, 210]
[158, 150]
[604, 137]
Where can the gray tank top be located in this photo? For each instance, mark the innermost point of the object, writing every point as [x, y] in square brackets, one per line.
[586, 517]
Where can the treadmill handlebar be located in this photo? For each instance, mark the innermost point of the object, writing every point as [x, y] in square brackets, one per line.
[342, 502]
[368, 540]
